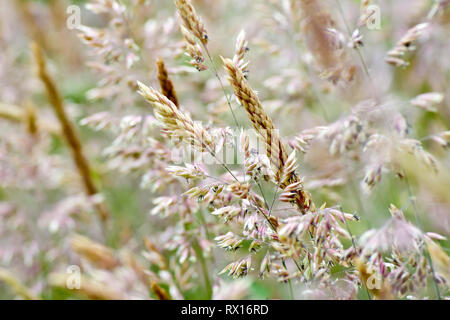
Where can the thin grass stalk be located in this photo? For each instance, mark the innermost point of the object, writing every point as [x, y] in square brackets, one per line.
[202, 260]
[68, 130]
[423, 246]
[165, 83]
[216, 74]
[354, 247]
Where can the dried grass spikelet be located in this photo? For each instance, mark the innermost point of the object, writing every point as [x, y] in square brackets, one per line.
[191, 20]
[290, 192]
[256, 165]
[264, 269]
[412, 35]
[175, 122]
[372, 177]
[405, 44]
[188, 172]
[244, 144]
[282, 165]
[289, 169]
[366, 13]
[383, 292]
[229, 241]
[166, 84]
[100, 255]
[89, 288]
[193, 50]
[240, 189]
[261, 121]
[301, 142]
[239, 52]
[227, 213]
[238, 268]
[67, 129]
[16, 286]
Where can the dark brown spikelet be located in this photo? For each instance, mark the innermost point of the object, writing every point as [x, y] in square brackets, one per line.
[166, 84]
[159, 292]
